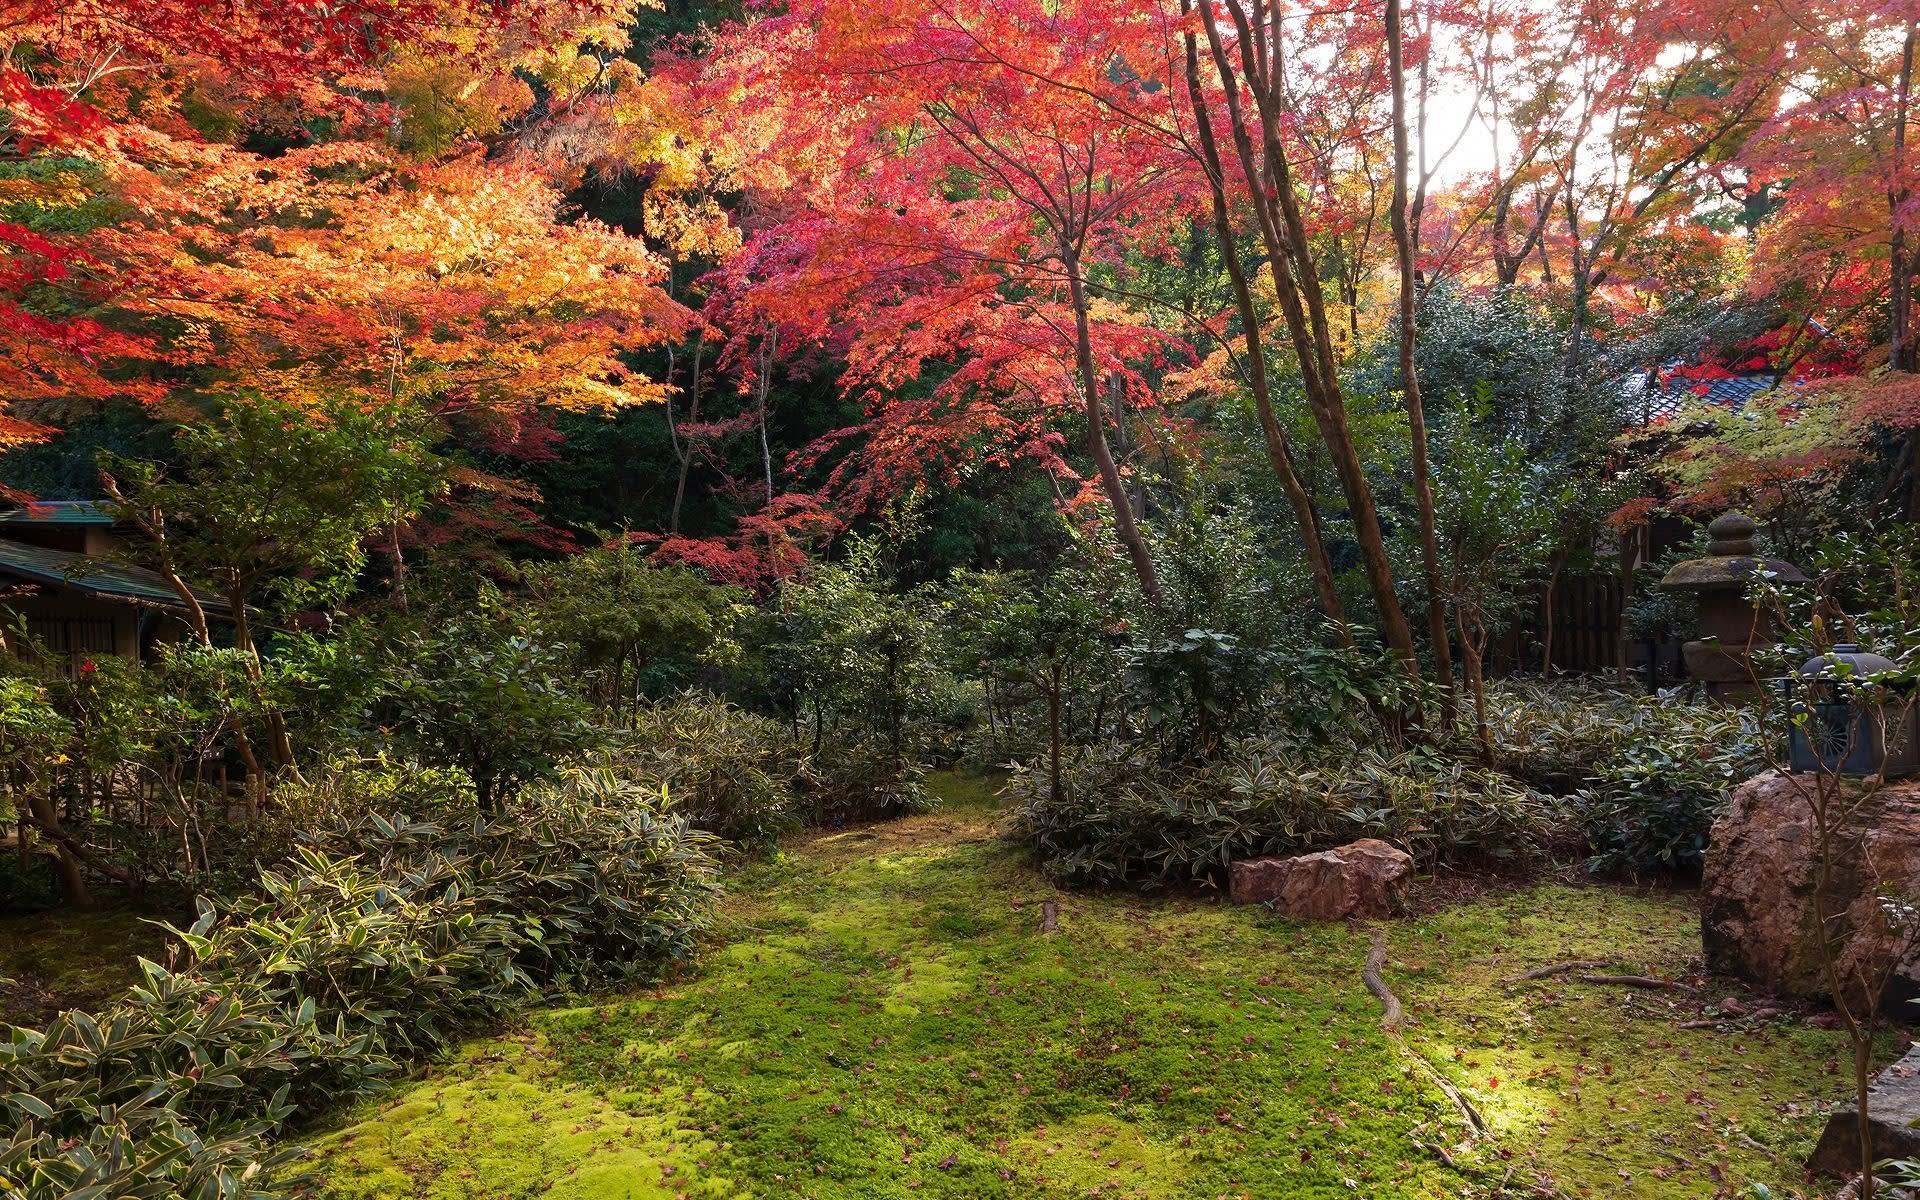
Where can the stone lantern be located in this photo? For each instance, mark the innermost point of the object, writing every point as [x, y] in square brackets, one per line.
[1848, 730]
[1731, 628]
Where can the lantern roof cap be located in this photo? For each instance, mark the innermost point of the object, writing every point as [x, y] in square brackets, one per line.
[1730, 560]
[1846, 659]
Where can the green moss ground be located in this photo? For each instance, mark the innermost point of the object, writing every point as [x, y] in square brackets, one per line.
[881, 1017]
[56, 960]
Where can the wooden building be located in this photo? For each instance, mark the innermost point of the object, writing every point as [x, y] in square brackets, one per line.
[59, 575]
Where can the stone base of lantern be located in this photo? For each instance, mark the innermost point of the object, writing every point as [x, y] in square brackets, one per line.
[1727, 674]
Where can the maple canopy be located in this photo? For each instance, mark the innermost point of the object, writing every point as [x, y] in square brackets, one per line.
[1037, 236]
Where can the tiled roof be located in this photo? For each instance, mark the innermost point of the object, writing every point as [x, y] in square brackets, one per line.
[110, 581]
[59, 512]
[1649, 398]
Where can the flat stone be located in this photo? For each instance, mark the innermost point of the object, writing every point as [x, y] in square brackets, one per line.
[1360, 879]
[1893, 1112]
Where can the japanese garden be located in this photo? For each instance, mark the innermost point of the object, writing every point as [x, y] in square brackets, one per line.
[1150, 599]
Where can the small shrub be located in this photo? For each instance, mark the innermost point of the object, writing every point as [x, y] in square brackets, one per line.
[1652, 805]
[728, 771]
[863, 781]
[1123, 816]
[1646, 775]
[486, 695]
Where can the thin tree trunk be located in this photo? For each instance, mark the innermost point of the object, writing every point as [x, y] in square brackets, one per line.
[1547, 607]
[1913, 476]
[1902, 349]
[684, 450]
[1472, 645]
[1403, 239]
[1053, 734]
[1279, 452]
[768, 349]
[276, 723]
[1136, 493]
[1124, 526]
[1296, 280]
[399, 567]
[1905, 353]
[66, 864]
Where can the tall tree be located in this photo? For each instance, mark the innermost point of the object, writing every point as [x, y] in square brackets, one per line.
[1250, 64]
[959, 176]
[1252, 319]
[1405, 215]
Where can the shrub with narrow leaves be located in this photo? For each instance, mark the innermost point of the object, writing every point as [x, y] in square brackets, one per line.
[727, 770]
[1125, 817]
[375, 943]
[1645, 775]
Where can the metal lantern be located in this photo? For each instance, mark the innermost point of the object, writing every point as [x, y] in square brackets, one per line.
[1845, 732]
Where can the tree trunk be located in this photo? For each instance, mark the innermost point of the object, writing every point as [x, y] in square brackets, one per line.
[1913, 475]
[1279, 452]
[1136, 494]
[684, 449]
[1472, 645]
[1053, 734]
[1546, 613]
[399, 567]
[1403, 239]
[768, 348]
[1905, 351]
[1902, 351]
[66, 864]
[1123, 522]
[280, 744]
[1296, 281]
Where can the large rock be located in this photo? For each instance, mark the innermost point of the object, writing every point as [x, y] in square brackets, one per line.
[1756, 892]
[1893, 1121]
[1360, 879]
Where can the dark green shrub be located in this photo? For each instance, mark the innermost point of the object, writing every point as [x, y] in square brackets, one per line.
[1652, 805]
[1124, 816]
[483, 693]
[857, 658]
[1646, 775]
[1044, 653]
[635, 628]
[729, 771]
[862, 781]
[376, 942]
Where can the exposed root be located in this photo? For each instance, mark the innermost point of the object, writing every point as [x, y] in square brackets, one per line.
[1578, 964]
[1637, 981]
[1391, 1020]
[1468, 1112]
[1757, 1147]
[1438, 1151]
[1370, 974]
